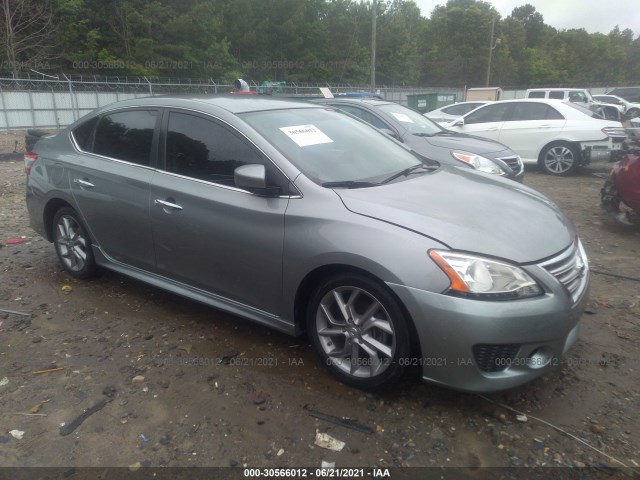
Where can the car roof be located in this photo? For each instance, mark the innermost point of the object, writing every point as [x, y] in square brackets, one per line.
[234, 104]
[367, 101]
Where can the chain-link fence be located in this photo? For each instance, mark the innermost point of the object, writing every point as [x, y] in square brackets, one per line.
[55, 102]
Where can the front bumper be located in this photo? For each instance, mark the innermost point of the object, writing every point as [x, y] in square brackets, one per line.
[524, 339]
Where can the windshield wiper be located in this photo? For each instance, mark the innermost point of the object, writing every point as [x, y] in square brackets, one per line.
[439, 132]
[350, 184]
[408, 171]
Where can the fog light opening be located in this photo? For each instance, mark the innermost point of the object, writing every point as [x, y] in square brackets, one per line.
[539, 358]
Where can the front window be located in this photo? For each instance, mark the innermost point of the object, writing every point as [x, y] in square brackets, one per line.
[200, 148]
[414, 122]
[488, 114]
[328, 146]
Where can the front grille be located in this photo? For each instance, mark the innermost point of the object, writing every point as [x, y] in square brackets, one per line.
[493, 357]
[570, 269]
[513, 162]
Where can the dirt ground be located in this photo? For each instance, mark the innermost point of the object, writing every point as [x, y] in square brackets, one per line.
[164, 381]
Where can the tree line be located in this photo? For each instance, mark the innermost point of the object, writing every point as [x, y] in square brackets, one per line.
[309, 41]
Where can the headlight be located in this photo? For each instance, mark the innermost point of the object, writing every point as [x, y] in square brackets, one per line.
[478, 162]
[484, 279]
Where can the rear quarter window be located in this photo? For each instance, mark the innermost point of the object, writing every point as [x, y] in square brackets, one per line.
[83, 134]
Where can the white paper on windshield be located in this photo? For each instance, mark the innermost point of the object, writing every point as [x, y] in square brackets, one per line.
[402, 117]
[306, 135]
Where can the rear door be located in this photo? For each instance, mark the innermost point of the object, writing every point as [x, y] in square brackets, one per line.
[110, 183]
[208, 233]
[530, 126]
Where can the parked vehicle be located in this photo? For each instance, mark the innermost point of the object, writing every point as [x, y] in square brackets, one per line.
[430, 139]
[630, 94]
[578, 96]
[628, 109]
[453, 111]
[299, 217]
[620, 194]
[556, 135]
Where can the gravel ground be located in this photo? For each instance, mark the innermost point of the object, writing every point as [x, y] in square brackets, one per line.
[164, 381]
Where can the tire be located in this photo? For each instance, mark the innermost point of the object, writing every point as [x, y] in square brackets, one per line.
[30, 142]
[73, 245]
[632, 113]
[559, 158]
[34, 132]
[359, 331]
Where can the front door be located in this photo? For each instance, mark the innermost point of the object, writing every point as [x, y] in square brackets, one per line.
[208, 233]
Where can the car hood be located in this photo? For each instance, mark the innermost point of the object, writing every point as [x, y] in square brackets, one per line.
[467, 143]
[469, 211]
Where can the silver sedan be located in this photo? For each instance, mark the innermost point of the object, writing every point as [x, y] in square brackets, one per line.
[304, 219]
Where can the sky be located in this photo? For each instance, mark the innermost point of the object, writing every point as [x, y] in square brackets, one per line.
[592, 15]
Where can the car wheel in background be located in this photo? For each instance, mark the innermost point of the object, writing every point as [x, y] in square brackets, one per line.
[359, 331]
[559, 158]
[632, 113]
[73, 244]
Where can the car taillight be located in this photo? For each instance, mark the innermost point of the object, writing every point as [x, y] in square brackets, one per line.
[29, 158]
[614, 131]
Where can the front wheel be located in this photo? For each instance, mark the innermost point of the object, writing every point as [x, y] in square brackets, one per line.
[73, 244]
[359, 331]
[559, 158]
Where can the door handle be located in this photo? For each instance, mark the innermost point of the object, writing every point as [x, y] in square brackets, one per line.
[83, 183]
[545, 126]
[165, 204]
[492, 129]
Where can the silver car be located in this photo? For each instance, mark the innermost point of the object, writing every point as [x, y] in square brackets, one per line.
[301, 218]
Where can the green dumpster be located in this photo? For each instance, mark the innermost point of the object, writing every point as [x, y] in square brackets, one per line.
[425, 102]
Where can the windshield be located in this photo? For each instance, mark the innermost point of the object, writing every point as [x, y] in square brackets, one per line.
[414, 122]
[328, 146]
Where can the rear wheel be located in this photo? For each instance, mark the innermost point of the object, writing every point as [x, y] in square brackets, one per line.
[559, 158]
[73, 244]
[359, 331]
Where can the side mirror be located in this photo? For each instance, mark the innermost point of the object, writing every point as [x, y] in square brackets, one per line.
[458, 123]
[389, 132]
[253, 177]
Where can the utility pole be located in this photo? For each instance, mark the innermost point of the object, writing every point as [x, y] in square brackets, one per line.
[374, 4]
[492, 46]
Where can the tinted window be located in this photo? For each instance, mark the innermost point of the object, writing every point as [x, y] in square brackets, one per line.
[556, 95]
[203, 149]
[489, 113]
[370, 118]
[534, 111]
[82, 134]
[126, 136]
[536, 95]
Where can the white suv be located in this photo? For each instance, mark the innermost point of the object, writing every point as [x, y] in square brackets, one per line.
[580, 96]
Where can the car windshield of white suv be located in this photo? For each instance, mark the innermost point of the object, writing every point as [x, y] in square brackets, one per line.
[414, 122]
[335, 150]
